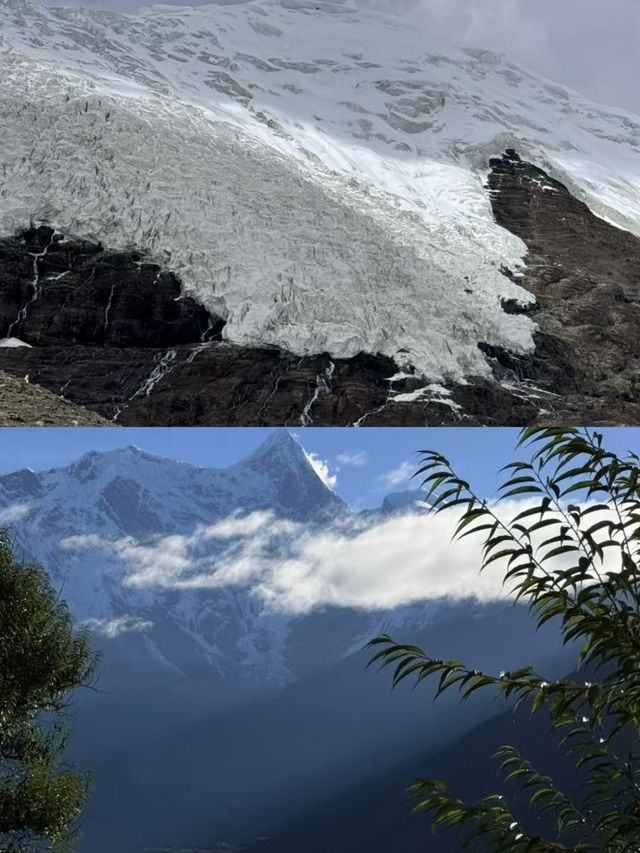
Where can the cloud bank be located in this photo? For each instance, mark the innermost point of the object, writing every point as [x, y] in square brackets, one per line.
[364, 564]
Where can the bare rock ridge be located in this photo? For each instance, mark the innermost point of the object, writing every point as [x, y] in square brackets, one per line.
[585, 275]
[112, 332]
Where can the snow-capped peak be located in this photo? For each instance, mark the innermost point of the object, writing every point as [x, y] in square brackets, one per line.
[283, 462]
[280, 445]
[126, 454]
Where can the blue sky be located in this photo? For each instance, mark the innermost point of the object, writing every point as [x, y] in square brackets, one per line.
[367, 463]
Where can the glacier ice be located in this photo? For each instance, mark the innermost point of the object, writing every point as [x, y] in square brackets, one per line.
[313, 172]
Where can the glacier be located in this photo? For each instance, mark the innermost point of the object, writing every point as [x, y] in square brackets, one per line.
[312, 171]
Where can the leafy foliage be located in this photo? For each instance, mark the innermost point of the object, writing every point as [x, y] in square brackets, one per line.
[571, 555]
[41, 661]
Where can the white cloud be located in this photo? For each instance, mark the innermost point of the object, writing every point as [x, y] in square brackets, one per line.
[112, 628]
[12, 514]
[398, 476]
[81, 542]
[241, 526]
[294, 567]
[322, 469]
[355, 458]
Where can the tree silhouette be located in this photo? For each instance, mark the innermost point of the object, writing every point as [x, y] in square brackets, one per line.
[41, 662]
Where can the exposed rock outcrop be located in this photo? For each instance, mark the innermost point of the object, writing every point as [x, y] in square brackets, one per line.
[65, 292]
[585, 274]
[23, 404]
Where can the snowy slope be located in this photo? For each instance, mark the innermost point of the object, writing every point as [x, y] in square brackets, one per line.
[312, 171]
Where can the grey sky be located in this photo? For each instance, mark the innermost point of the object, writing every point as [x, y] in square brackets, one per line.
[590, 45]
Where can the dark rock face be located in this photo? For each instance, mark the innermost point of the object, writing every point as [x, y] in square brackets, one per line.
[217, 384]
[62, 292]
[585, 274]
[112, 332]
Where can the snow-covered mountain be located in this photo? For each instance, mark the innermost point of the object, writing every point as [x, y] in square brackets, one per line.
[77, 520]
[99, 522]
[313, 172]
